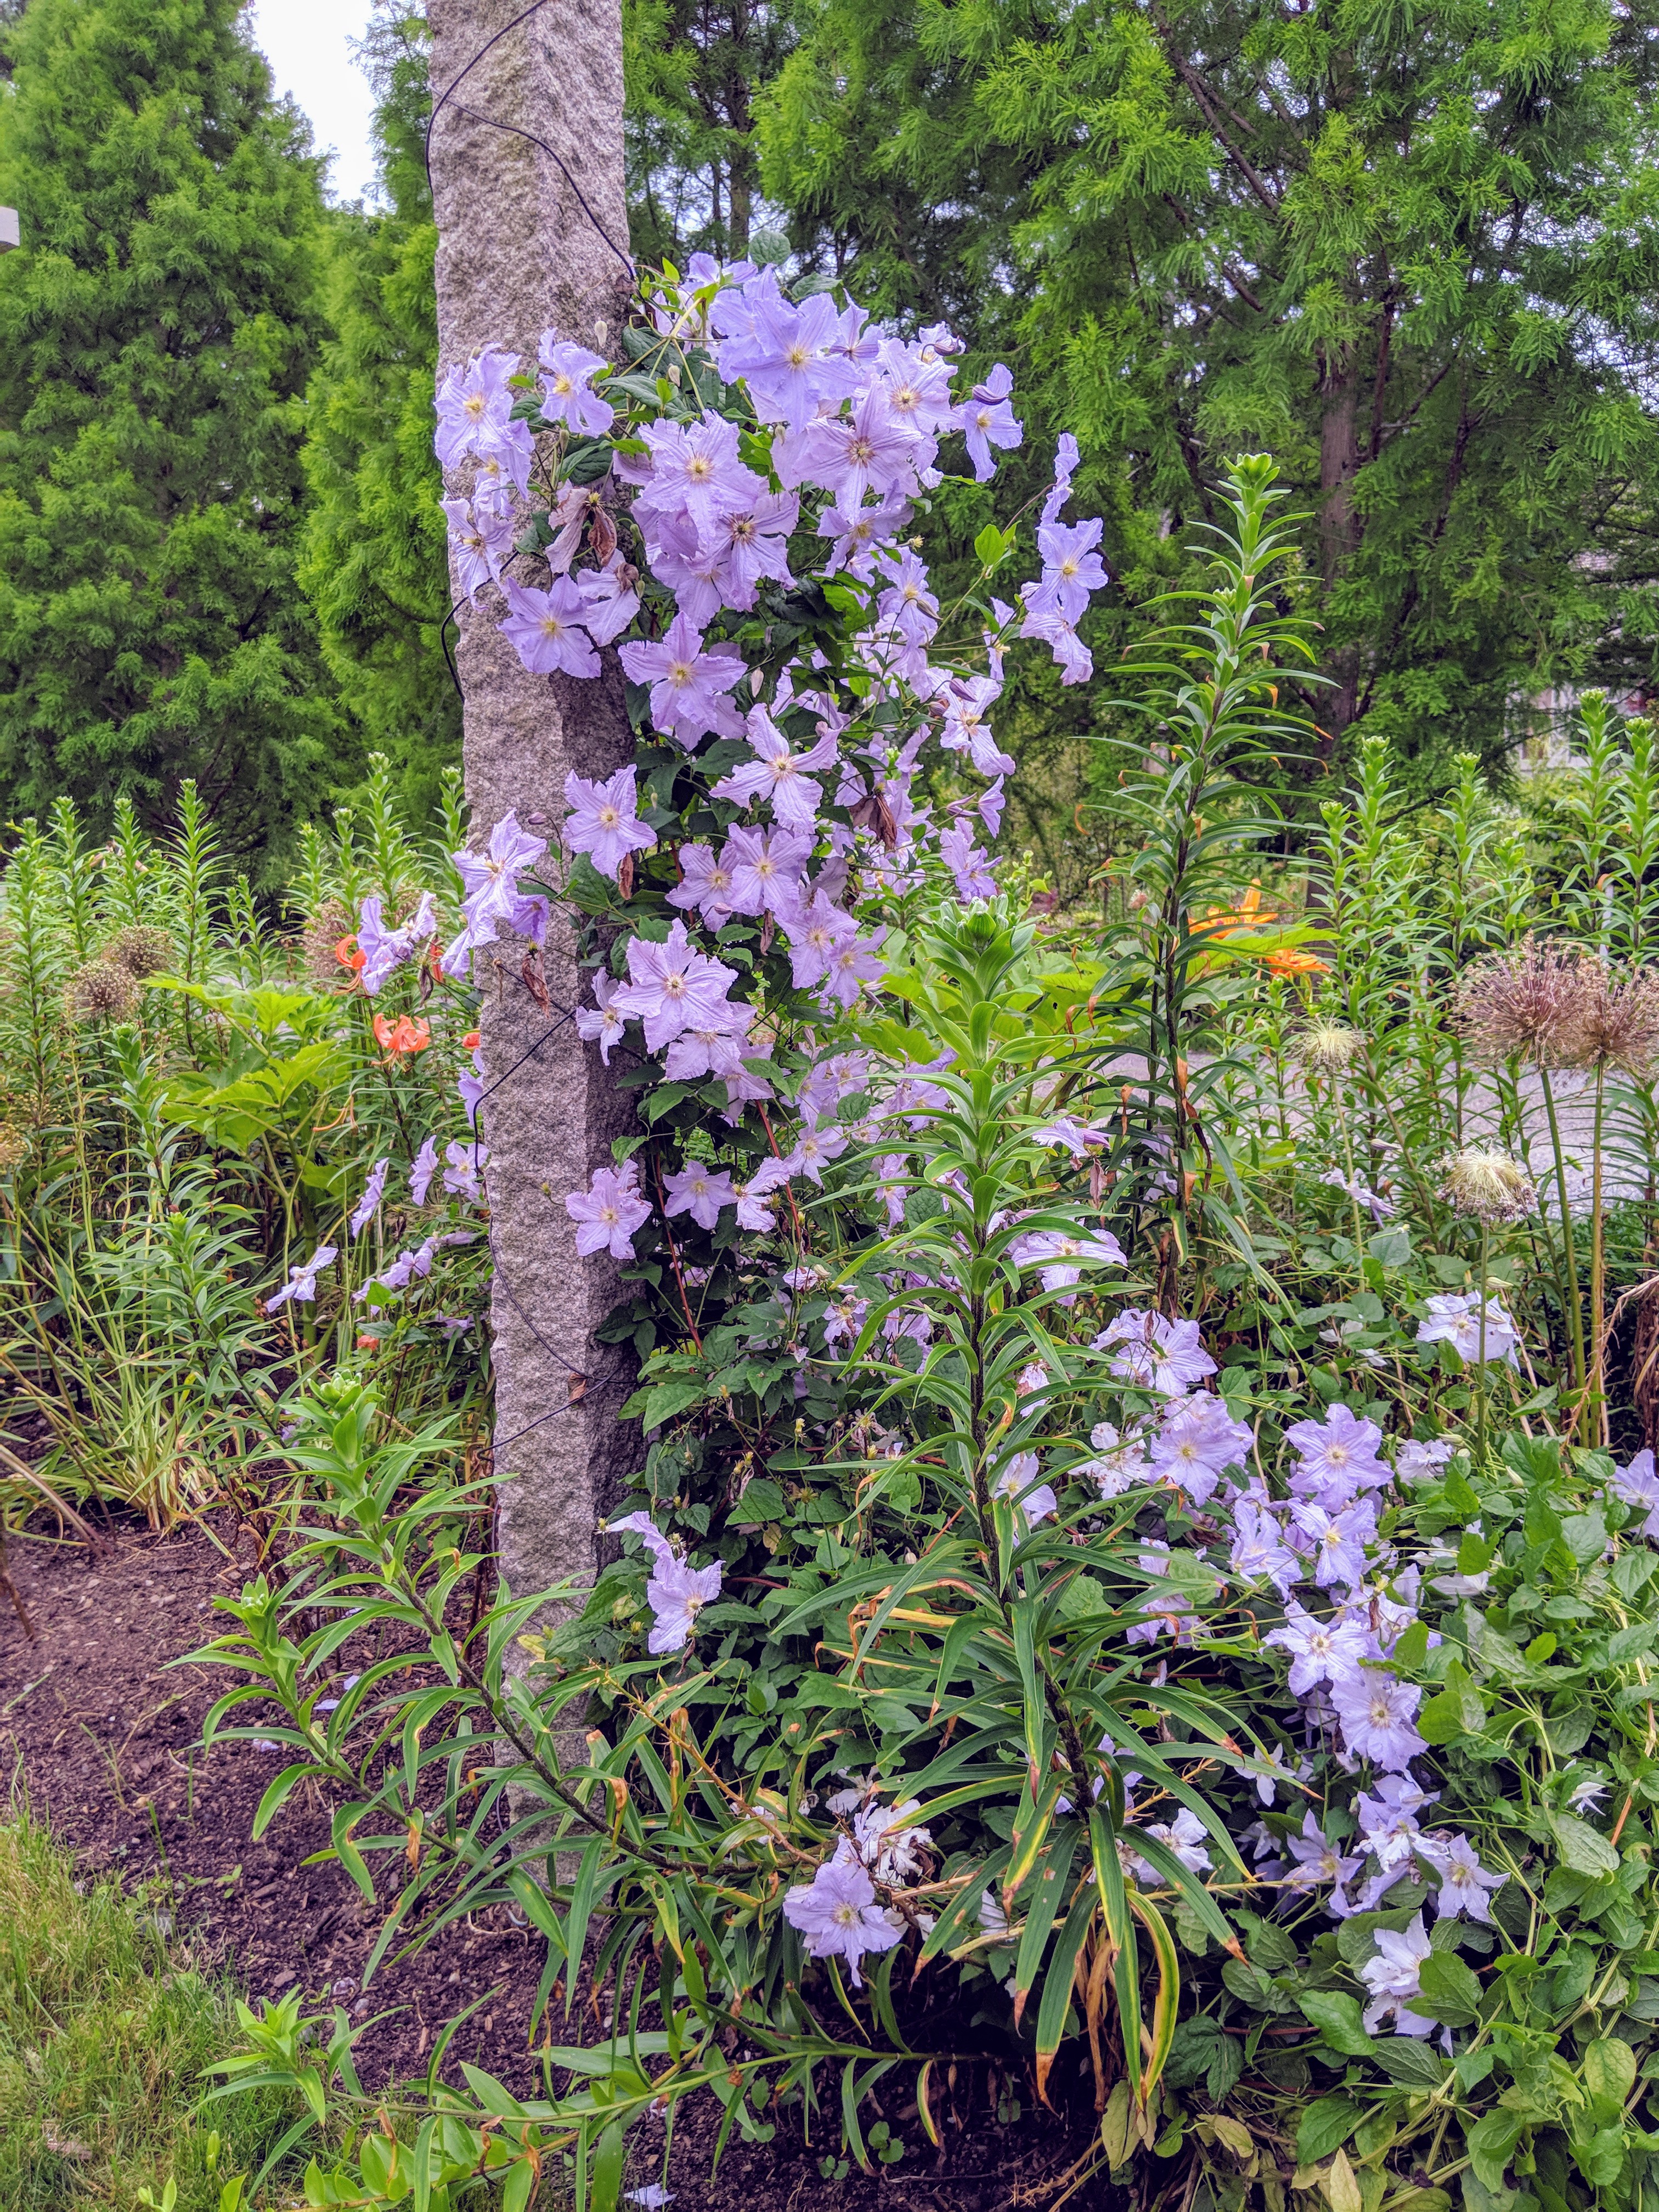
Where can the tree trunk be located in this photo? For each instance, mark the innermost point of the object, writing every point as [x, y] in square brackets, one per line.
[1339, 526]
[518, 254]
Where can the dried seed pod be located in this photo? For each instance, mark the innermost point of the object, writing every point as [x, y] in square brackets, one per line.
[99, 993]
[1531, 1004]
[139, 951]
[1487, 1186]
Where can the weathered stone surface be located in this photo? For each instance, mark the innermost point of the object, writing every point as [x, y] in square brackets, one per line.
[518, 255]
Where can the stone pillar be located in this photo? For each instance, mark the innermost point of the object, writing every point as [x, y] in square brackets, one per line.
[518, 254]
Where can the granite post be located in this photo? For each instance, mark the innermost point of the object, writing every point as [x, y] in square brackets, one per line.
[519, 253]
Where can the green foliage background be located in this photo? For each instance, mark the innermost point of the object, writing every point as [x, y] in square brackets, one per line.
[1412, 256]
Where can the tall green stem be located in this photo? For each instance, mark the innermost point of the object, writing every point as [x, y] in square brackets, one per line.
[1480, 1379]
[1568, 1255]
[1597, 1426]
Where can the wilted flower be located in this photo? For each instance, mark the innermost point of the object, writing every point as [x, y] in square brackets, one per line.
[98, 992]
[1530, 1005]
[1329, 1047]
[1488, 1185]
[139, 951]
[1620, 1023]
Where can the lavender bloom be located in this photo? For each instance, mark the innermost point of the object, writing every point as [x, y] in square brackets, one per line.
[986, 420]
[398, 1273]
[1377, 1710]
[687, 684]
[1413, 1458]
[705, 885]
[1586, 1797]
[546, 629]
[695, 471]
[1259, 1553]
[777, 774]
[1320, 1651]
[837, 1916]
[1197, 1443]
[907, 606]
[481, 542]
[1066, 459]
[1035, 1501]
[1637, 1485]
[715, 1047]
[1063, 1256]
[474, 410]
[969, 863]
[814, 1149]
[843, 1318]
[489, 879]
[854, 963]
[1184, 1836]
[602, 822]
[766, 868]
[858, 530]
[676, 1592]
[301, 1284]
[789, 357]
[1392, 1978]
[851, 456]
[1121, 1463]
[1318, 1861]
[1072, 569]
[653, 2198]
[814, 932]
[606, 1026]
[1059, 633]
[699, 1191]
[472, 1087]
[1156, 1354]
[965, 700]
[368, 1205]
[1464, 1882]
[1337, 1540]
[1072, 1136]
[568, 394]
[609, 1211]
[671, 988]
[463, 1164]
[609, 605]
[893, 1173]
[1456, 1321]
[1380, 1209]
[424, 1167]
[1339, 1458]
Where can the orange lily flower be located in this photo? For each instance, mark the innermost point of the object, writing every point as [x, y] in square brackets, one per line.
[401, 1035]
[347, 954]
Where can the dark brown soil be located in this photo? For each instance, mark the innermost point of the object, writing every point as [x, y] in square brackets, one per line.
[103, 1734]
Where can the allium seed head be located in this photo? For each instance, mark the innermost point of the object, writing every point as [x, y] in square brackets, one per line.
[1488, 1185]
[1329, 1047]
[1620, 1021]
[98, 992]
[13, 1148]
[323, 932]
[139, 951]
[1531, 1004]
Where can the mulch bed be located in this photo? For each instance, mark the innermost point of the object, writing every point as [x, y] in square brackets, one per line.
[103, 1734]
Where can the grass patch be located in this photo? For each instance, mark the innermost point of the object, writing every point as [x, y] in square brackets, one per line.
[103, 2037]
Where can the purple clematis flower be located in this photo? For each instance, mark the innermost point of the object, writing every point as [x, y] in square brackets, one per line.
[602, 822]
[1376, 1711]
[567, 393]
[672, 988]
[986, 420]
[369, 1204]
[700, 1191]
[301, 1284]
[545, 629]
[688, 685]
[783, 778]
[609, 1211]
[1333, 1651]
[837, 1914]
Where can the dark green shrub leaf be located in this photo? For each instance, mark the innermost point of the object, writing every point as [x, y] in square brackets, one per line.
[1325, 2127]
[1338, 2020]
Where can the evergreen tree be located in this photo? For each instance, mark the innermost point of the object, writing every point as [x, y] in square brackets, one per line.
[373, 561]
[692, 70]
[157, 330]
[1413, 254]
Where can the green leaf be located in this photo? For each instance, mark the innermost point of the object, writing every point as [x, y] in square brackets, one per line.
[609, 2161]
[1490, 2143]
[1413, 2065]
[1448, 1990]
[662, 1401]
[1337, 2017]
[1583, 1850]
[1609, 2066]
[1326, 2126]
